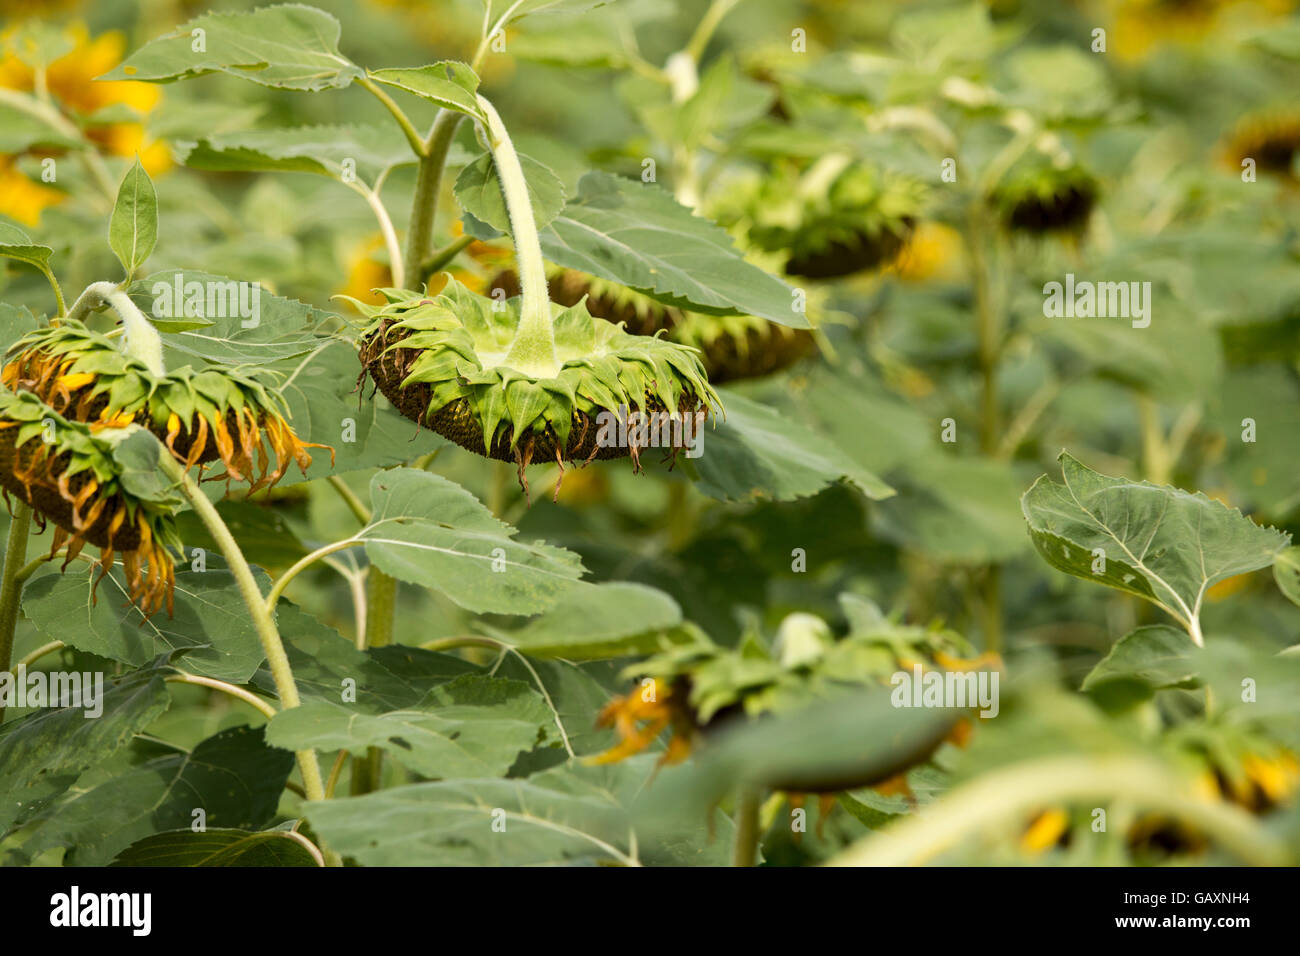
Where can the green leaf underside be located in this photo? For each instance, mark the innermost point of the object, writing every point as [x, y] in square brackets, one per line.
[1160, 543]
[448, 83]
[639, 236]
[474, 726]
[289, 46]
[16, 244]
[1286, 571]
[1158, 655]
[430, 531]
[599, 620]
[322, 150]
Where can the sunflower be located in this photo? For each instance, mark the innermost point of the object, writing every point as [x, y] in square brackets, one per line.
[837, 218]
[70, 82]
[440, 361]
[694, 687]
[1141, 26]
[1271, 138]
[201, 416]
[24, 199]
[731, 347]
[1039, 197]
[67, 474]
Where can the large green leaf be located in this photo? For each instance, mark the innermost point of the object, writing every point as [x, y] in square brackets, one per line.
[233, 776]
[217, 847]
[210, 624]
[638, 235]
[1159, 543]
[1159, 656]
[599, 620]
[432, 532]
[42, 753]
[478, 190]
[447, 83]
[758, 453]
[287, 46]
[567, 815]
[133, 227]
[474, 726]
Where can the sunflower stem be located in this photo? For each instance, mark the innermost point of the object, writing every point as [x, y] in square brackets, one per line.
[424, 208]
[533, 349]
[263, 617]
[11, 586]
[140, 340]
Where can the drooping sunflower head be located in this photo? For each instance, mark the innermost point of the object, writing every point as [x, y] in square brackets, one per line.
[1039, 197]
[694, 686]
[201, 416]
[731, 347]
[1271, 138]
[441, 362]
[67, 473]
[837, 218]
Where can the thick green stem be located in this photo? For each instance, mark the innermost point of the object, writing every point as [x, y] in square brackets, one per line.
[533, 349]
[11, 586]
[1001, 797]
[745, 849]
[381, 600]
[428, 182]
[140, 340]
[262, 616]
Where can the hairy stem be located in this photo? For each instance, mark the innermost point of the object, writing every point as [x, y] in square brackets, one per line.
[11, 588]
[424, 208]
[140, 340]
[533, 349]
[418, 145]
[262, 616]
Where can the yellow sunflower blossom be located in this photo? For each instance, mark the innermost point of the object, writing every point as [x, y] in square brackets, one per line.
[21, 198]
[1141, 26]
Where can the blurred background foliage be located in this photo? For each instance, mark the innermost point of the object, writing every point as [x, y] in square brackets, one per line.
[1134, 156]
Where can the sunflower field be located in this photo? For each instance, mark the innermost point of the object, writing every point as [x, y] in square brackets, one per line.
[649, 433]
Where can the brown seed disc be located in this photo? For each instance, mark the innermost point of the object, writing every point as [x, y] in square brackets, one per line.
[1064, 212]
[457, 421]
[43, 494]
[842, 258]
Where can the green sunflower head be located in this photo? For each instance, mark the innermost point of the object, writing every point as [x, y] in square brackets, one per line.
[441, 362]
[201, 416]
[1039, 197]
[69, 476]
[837, 218]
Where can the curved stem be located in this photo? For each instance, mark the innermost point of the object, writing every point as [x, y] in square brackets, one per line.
[408, 129]
[140, 340]
[282, 582]
[33, 656]
[443, 256]
[11, 586]
[386, 229]
[707, 26]
[263, 620]
[237, 692]
[428, 182]
[1005, 795]
[533, 349]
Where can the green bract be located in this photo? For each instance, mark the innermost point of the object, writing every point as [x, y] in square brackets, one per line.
[201, 415]
[440, 361]
[69, 475]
